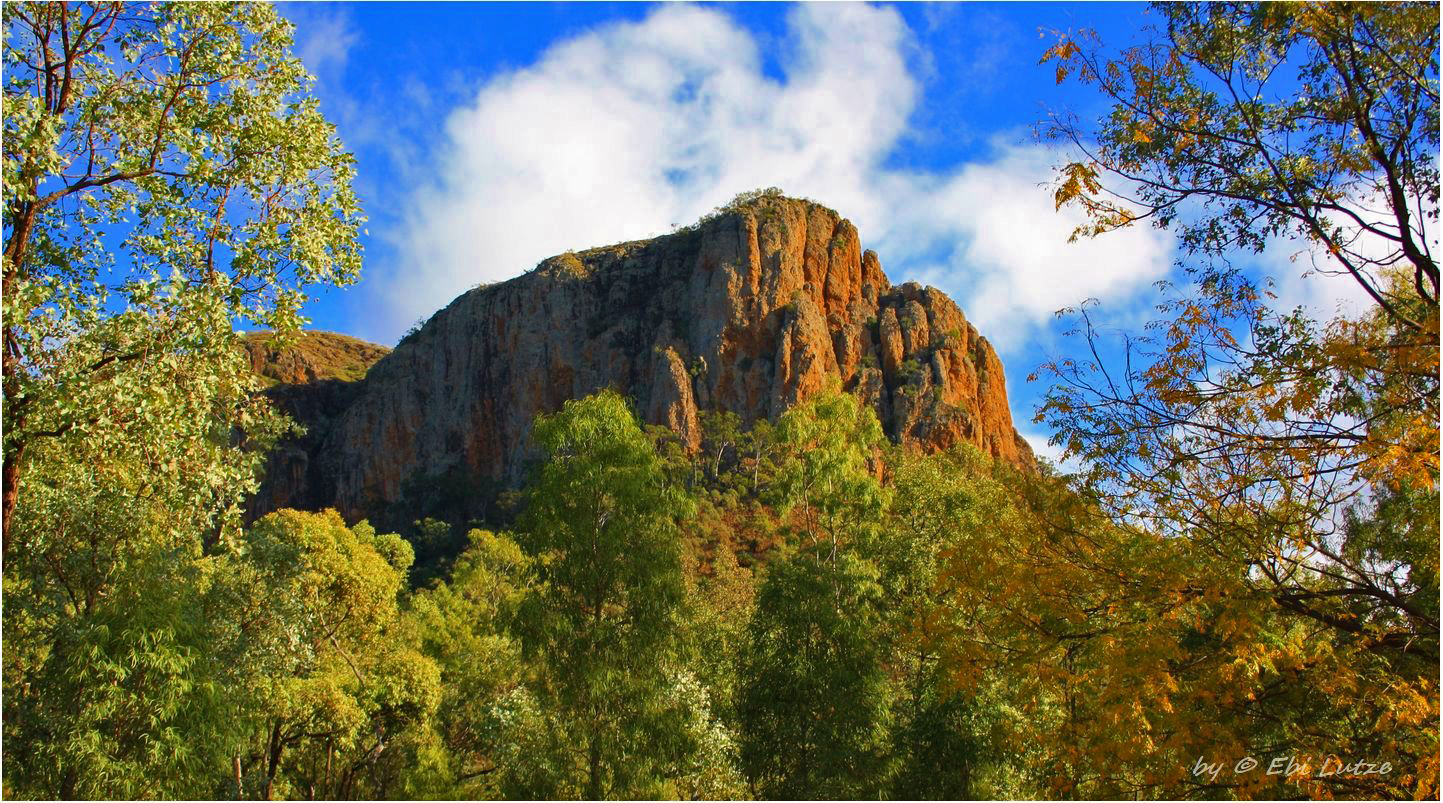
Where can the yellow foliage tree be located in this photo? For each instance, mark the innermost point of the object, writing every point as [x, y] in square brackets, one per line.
[1271, 482]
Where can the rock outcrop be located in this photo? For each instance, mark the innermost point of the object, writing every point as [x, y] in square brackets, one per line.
[313, 380]
[749, 311]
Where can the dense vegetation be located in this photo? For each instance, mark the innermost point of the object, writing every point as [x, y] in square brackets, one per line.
[1248, 566]
[911, 626]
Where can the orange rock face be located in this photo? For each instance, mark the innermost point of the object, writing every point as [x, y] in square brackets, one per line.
[750, 311]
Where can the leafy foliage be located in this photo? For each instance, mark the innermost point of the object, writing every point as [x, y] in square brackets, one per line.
[601, 525]
[1280, 472]
[463, 625]
[812, 706]
[328, 684]
[164, 168]
[1246, 122]
[164, 174]
[1247, 567]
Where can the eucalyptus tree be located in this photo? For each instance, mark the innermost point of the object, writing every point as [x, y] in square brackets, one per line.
[165, 171]
[604, 615]
[327, 685]
[464, 623]
[166, 175]
[814, 698]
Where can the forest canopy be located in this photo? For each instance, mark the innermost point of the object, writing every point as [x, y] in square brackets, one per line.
[1243, 566]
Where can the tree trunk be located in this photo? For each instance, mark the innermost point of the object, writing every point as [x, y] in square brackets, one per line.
[67, 785]
[19, 243]
[275, 760]
[593, 781]
[10, 493]
[16, 250]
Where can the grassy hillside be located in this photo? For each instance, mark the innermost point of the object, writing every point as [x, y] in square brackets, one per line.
[311, 356]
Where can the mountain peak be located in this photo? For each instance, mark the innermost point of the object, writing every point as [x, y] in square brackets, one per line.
[752, 309]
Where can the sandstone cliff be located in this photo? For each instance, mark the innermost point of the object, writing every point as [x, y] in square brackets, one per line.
[748, 311]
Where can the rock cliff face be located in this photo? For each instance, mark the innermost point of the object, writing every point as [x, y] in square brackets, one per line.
[749, 311]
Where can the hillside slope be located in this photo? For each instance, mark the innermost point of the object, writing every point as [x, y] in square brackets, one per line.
[313, 355]
[316, 377]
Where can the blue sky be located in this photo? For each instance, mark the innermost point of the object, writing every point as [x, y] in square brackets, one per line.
[488, 137]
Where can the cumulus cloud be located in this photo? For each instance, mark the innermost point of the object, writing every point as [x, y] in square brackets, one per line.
[1011, 260]
[633, 128]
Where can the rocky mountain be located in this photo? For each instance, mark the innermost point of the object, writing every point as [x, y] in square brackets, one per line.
[750, 310]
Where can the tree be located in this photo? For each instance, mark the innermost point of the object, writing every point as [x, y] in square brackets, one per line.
[813, 702]
[465, 624]
[940, 735]
[1124, 656]
[164, 167]
[1245, 122]
[721, 596]
[113, 528]
[1244, 435]
[1249, 126]
[306, 610]
[1248, 458]
[111, 686]
[825, 480]
[165, 174]
[813, 695]
[601, 524]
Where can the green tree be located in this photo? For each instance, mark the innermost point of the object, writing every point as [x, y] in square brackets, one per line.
[113, 526]
[165, 174]
[814, 703]
[813, 698]
[941, 732]
[601, 524]
[757, 446]
[721, 596]
[825, 480]
[465, 624]
[164, 166]
[308, 616]
[114, 692]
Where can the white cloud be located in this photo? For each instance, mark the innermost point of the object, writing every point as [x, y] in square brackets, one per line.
[632, 128]
[324, 37]
[1305, 274]
[1010, 263]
